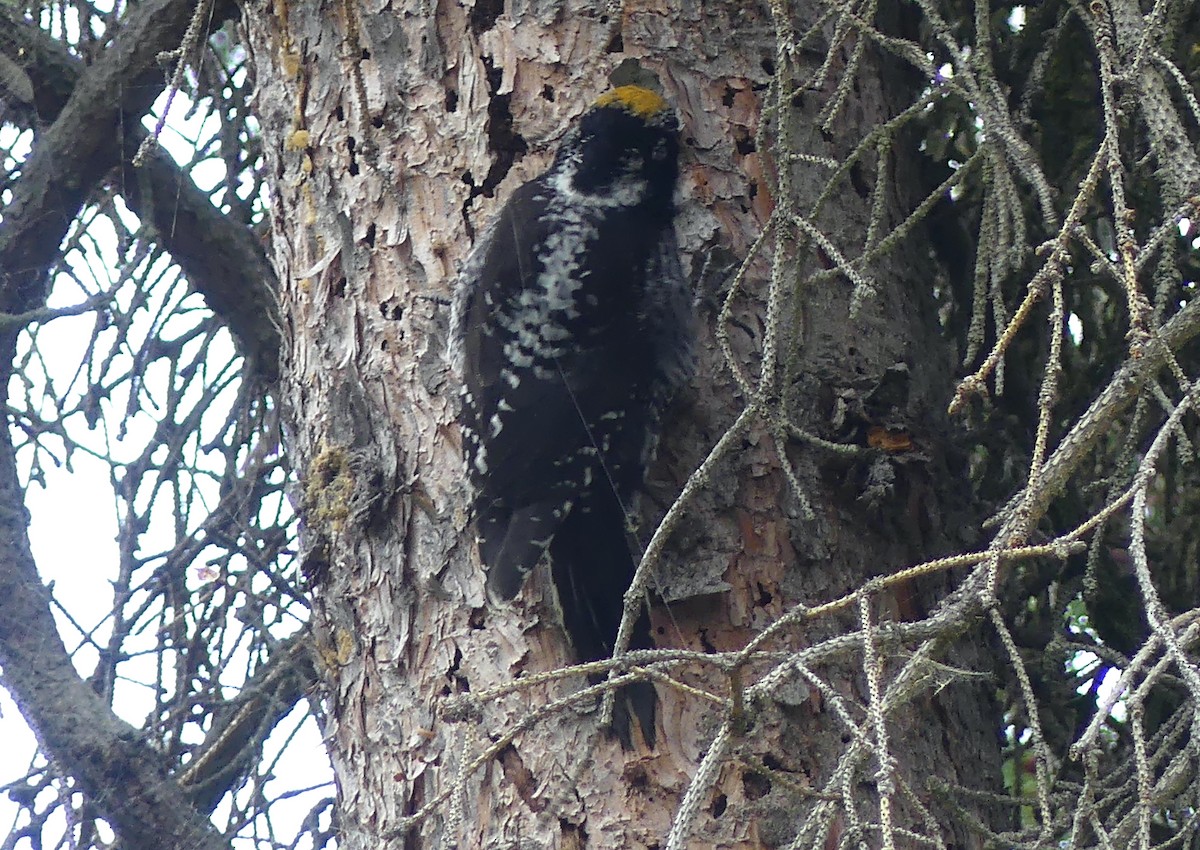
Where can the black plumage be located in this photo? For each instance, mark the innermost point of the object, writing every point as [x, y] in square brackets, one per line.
[571, 331]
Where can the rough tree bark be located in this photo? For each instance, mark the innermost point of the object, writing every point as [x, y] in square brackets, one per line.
[392, 132]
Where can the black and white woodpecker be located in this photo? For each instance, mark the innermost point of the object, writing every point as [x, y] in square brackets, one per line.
[571, 329]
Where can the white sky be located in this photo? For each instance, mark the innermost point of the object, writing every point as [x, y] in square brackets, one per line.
[74, 524]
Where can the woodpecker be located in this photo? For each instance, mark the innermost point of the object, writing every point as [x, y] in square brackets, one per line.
[571, 330]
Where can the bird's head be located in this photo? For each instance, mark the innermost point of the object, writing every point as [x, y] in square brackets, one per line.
[623, 151]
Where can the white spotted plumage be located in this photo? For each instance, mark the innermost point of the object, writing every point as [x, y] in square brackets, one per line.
[571, 328]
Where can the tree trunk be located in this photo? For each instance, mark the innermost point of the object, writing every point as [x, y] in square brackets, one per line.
[392, 137]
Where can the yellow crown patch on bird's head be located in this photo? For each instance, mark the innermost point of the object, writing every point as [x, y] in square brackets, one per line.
[637, 101]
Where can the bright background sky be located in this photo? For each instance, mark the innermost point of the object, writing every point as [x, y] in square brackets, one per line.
[74, 524]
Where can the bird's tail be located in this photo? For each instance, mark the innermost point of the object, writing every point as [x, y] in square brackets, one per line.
[511, 543]
[638, 699]
[593, 567]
